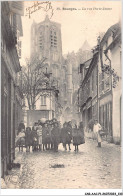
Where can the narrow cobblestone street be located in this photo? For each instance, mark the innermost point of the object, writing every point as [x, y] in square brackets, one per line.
[91, 167]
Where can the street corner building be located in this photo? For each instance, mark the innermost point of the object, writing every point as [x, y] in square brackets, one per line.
[100, 86]
[11, 94]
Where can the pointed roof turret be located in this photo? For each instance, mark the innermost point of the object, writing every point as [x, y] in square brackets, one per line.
[86, 46]
[47, 18]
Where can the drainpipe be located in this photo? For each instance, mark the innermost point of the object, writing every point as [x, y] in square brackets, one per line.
[98, 90]
[101, 61]
[110, 66]
[111, 92]
[107, 57]
[78, 103]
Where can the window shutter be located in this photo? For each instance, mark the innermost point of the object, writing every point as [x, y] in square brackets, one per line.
[100, 77]
[100, 88]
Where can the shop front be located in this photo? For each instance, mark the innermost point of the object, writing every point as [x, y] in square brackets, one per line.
[105, 113]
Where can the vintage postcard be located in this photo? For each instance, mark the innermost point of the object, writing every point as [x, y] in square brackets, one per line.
[61, 75]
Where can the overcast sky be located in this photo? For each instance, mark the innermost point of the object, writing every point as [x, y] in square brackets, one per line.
[77, 25]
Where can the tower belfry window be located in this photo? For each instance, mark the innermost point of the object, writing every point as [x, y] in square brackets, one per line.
[41, 40]
[53, 38]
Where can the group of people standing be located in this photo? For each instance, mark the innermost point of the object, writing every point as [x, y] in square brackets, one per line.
[70, 133]
[48, 135]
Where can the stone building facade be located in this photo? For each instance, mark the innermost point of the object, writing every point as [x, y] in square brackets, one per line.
[11, 95]
[88, 89]
[110, 82]
[100, 86]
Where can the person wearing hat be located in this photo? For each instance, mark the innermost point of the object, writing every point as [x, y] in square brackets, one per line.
[48, 137]
[96, 129]
[52, 127]
[35, 126]
[47, 122]
[45, 136]
[63, 135]
[34, 138]
[39, 133]
[21, 126]
[81, 133]
[21, 139]
[66, 135]
[55, 136]
[54, 120]
[75, 135]
[28, 138]
[50, 122]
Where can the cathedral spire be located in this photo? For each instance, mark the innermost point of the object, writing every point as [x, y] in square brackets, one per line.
[47, 18]
[86, 46]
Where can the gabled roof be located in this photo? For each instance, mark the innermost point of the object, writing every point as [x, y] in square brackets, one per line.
[93, 62]
[86, 62]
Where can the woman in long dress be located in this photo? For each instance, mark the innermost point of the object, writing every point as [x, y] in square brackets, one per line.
[28, 138]
[47, 137]
[34, 139]
[56, 133]
[39, 133]
[75, 137]
[21, 140]
[44, 136]
[66, 136]
[78, 136]
[52, 144]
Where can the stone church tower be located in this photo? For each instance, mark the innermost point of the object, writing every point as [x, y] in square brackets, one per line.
[46, 43]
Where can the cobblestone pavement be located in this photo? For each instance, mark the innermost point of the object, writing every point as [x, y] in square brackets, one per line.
[89, 168]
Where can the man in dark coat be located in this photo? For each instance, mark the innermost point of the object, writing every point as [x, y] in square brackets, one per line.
[52, 144]
[55, 133]
[47, 137]
[69, 134]
[78, 136]
[44, 134]
[66, 135]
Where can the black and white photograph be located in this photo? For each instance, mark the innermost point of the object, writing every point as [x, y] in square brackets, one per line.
[61, 70]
